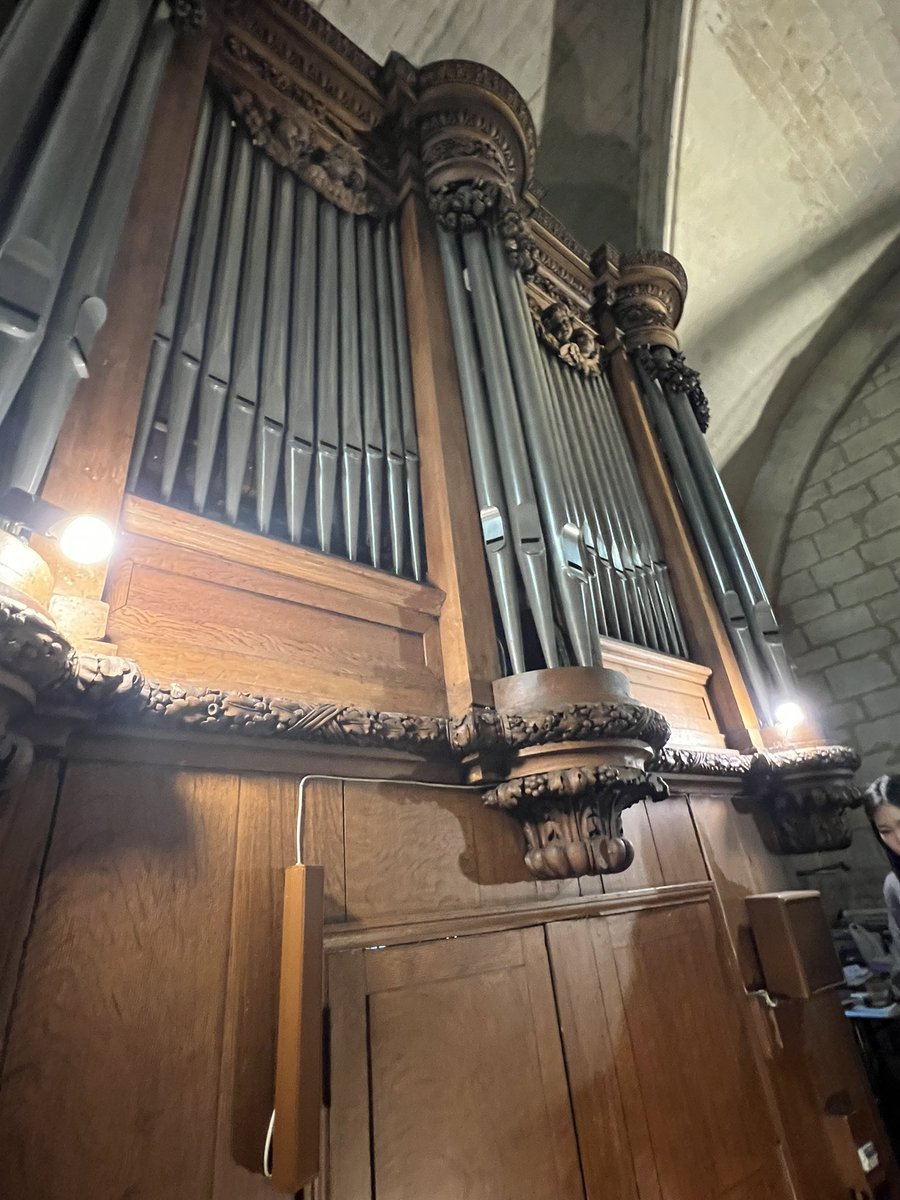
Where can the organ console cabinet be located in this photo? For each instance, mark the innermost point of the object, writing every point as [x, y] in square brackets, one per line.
[412, 504]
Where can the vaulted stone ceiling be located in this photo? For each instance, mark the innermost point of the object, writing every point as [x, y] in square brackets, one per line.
[756, 139]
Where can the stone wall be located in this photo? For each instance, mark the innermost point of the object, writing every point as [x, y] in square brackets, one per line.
[839, 596]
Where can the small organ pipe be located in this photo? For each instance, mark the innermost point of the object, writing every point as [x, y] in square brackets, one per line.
[327, 396]
[351, 415]
[190, 332]
[393, 431]
[298, 453]
[168, 312]
[407, 409]
[370, 384]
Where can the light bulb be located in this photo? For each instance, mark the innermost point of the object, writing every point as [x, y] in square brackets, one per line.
[789, 714]
[86, 540]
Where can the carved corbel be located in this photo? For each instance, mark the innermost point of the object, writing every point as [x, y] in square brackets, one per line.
[572, 818]
[800, 798]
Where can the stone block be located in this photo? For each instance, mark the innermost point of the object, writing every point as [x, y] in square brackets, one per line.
[845, 715]
[867, 642]
[866, 587]
[812, 494]
[860, 471]
[799, 554]
[885, 432]
[843, 623]
[884, 549]
[845, 504]
[859, 677]
[882, 517]
[816, 660]
[887, 483]
[885, 399]
[880, 704]
[810, 520]
[830, 461]
[886, 608]
[877, 735]
[795, 642]
[796, 587]
[812, 607]
[837, 569]
[835, 538]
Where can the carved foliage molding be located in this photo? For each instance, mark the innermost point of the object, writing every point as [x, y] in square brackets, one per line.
[645, 291]
[676, 376]
[565, 335]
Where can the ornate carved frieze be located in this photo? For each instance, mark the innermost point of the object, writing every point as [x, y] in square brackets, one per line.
[645, 291]
[801, 798]
[561, 331]
[572, 818]
[587, 723]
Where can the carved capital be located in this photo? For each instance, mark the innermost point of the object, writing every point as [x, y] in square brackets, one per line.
[801, 798]
[644, 290]
[572, 818]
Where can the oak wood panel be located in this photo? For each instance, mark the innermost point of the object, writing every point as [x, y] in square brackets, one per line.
[412, 850]
[674, 687]
[469, 1095]
[449, 511]
[645, 871]
[188, 532]
[117, 1031]
[703, 1099]
[604, 1145]
[264, 848]
[25, 817]
[89, 466]
[707, 638]
[676, 840]
[349, 1140]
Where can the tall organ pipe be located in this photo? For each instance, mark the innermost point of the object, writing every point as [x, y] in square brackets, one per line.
[566, 540]
[393, 431]
[327, 432]
[518, 484]
[723, 587]
[372, 426]
[298, 452]
[215, 370]
[486, 472]
[763, 625]
[610, 428]
[80, 311]
[190, 332]
[47, 210]
[351, 415]
[168, 312]
[407, 410]
[270, 419]
[244, 386]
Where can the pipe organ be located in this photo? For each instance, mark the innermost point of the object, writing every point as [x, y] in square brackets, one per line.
[411, 504]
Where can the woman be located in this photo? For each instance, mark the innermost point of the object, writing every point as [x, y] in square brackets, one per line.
[883, 810]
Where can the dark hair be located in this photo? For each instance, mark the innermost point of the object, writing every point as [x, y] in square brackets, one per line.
[884, 790]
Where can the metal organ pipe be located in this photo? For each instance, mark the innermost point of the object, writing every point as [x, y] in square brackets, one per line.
[327, 433]
[39, 233]
[80, 311]
[298, 453]
[372, 427]
[351, 414]
[488, 484]
[393, 431]
[168, 312]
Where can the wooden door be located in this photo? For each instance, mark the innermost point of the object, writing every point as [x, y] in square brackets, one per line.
[465, 1094]
[667, 1100]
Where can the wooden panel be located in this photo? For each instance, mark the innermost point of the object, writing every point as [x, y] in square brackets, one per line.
[676, 840]
[349, 1143]
[25, 817]
[594, 1067]
[645, 871]
[117, 1030]
[703, 1100]
[265, 847]
[197, 632]
[672, 686]
[469, 1092]
[411, 850]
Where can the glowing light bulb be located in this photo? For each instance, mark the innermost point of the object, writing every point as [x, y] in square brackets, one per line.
[789, 714]
[86, 540]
